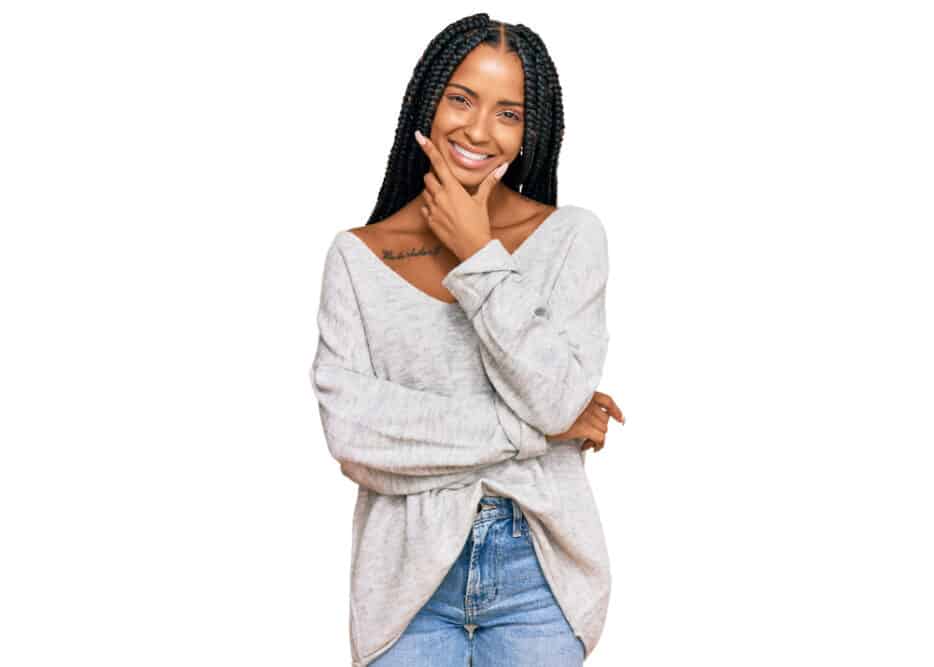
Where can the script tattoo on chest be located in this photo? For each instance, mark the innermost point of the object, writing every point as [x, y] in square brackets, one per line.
[389, 254]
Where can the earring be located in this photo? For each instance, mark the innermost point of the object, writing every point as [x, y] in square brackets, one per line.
[520, 184]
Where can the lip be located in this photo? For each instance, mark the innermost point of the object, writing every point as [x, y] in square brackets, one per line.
[466, 163]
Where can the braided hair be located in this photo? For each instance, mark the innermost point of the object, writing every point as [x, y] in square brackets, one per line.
[534, 173]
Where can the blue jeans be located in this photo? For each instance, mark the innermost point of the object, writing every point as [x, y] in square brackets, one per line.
[494, 607]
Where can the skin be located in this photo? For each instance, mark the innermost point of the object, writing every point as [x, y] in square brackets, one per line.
[460, 210]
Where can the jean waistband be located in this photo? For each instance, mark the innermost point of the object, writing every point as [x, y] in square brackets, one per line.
[491, 508]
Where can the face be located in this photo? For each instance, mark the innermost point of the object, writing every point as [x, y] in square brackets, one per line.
[481, 110]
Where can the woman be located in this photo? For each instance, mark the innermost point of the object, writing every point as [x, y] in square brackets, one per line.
[461, 342]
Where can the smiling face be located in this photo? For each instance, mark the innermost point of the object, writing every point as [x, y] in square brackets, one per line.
[481, 110]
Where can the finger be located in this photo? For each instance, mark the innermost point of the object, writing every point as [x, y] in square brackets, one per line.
[598, 410]
[599, 440]
[606, 401]
[488, 183]
[436, 159]
[432, 185]
[439, 209]
[616, 412]
[587, 444]
[433, 214]
[597, 418]
[597, 432]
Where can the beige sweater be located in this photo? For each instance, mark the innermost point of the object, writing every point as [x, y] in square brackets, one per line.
[428, 406]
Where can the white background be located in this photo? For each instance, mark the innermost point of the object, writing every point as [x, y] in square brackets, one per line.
[172, 173]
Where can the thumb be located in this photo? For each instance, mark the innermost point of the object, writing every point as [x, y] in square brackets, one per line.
[486, 187]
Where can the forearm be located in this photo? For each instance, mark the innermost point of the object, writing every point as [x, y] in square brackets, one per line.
[544, 354]
[387, 427]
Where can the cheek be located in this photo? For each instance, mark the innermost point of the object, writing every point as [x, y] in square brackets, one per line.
[511, 150]
[510, 140]
[439, 139]
[444, 121]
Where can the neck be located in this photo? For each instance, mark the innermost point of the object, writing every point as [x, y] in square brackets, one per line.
[498, 206]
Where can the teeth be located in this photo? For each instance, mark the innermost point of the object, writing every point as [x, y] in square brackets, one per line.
[468, 154]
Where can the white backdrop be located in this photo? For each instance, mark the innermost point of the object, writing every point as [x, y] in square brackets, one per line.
[171, 176]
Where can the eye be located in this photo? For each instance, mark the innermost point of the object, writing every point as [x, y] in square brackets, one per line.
[460, 99]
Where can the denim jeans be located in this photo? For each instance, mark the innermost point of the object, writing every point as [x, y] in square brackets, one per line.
[494, 607]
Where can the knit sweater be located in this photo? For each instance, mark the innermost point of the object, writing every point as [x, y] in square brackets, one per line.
[429, 405]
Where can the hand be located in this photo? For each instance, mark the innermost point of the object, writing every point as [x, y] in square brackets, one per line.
[459, 219]
[592, 422]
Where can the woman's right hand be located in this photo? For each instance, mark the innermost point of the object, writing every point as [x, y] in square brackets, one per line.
[592, 422]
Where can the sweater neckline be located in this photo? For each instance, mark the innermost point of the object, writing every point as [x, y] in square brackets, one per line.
[425, 295]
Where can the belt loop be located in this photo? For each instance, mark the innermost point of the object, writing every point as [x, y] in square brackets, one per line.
[516, 515]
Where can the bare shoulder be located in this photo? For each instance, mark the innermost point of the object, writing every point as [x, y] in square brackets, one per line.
[396, 223]
[392, 231]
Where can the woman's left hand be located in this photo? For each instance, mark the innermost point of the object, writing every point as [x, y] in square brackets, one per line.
[459, 219]
[592, 422]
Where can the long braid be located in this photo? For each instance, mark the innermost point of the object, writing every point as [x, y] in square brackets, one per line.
[544, 181]
[535, 172]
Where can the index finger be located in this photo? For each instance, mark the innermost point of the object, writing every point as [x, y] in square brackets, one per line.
[436, 159]
[606, 401]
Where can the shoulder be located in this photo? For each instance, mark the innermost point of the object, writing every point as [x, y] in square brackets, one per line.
[582, 217]
[589, 223]
[346, 253]
[587, 235]
[334, 264]
[344, 238]
[340, 254]
[376, 233]
[399, 221]
[583, 226]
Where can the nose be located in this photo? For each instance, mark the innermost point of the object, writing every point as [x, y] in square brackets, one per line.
[477, 133]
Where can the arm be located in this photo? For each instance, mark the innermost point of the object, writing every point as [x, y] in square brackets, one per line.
[390, 436]
[544, 358]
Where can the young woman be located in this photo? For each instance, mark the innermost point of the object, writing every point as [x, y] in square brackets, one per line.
[462, 337]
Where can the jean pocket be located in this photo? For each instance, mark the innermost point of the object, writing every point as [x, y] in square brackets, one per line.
[519, 561]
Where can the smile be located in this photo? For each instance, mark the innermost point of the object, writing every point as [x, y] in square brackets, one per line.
[468, 159]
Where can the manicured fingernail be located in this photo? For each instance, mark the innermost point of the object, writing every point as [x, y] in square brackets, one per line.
[419, 137]
[501, 169]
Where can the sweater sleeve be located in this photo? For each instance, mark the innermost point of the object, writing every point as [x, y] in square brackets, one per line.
[386, 435]
[544, 356]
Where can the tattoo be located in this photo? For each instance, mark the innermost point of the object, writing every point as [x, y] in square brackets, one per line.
[388, 254]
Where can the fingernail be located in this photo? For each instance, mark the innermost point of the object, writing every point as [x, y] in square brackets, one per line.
[419, 137]
[501, 169]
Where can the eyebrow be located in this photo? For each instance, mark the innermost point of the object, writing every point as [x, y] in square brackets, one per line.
[509, 103]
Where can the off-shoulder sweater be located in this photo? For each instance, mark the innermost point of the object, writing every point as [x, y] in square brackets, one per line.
[429, 405]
